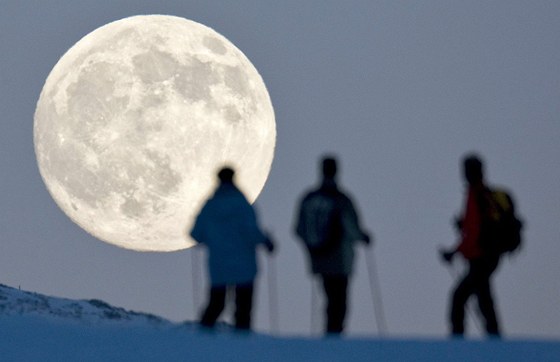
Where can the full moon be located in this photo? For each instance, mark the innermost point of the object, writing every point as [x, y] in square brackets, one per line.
[134, 121]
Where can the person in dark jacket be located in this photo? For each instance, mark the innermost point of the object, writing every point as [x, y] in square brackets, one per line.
[227, 226]
[473, 246]
[332, 259]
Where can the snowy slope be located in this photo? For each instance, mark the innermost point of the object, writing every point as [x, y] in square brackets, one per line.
[15, 302]
[38, 328]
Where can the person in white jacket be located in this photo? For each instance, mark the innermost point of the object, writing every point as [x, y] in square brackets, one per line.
[227, 226]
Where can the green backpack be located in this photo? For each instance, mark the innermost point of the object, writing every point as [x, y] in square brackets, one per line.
[503, 227]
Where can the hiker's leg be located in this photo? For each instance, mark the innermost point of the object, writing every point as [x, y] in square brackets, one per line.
[243, 306]
[336, 287]
[484, 296]
[216, 304]
[460, 297]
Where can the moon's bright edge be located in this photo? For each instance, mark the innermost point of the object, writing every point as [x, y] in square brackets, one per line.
[136, 118]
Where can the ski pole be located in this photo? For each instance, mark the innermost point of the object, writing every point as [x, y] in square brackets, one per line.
[375, 291]
[272, 294]
[195, 281]
[314, 302]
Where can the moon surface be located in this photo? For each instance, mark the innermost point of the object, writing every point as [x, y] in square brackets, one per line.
[134, 121]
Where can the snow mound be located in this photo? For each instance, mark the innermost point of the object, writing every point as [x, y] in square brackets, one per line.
[34, 327]
[14, 302]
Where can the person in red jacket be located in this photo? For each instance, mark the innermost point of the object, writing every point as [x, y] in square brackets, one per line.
[482, 260]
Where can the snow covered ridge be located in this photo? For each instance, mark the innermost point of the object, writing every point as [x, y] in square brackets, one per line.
[17, 302]
[34, 327]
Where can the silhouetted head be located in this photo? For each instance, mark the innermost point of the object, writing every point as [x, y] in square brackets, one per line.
[226, 175]
[329, 167]
[473, 169]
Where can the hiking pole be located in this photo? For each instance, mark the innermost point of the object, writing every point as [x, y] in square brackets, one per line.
[314, 318]
[375, 291]
[272, 295]
[195, 280]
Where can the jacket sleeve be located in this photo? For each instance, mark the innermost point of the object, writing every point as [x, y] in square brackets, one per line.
[351, 223]
[260, 236]
[299, 222]
[197, 232]
[249, 221]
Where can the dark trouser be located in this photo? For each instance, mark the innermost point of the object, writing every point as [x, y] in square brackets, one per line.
[243, 305]
[477, 282]
[336, 287]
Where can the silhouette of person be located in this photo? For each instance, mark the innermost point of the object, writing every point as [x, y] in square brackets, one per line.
[227, 226]
[328, 225]
[482, 260]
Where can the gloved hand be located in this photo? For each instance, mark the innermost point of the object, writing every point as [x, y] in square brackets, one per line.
[447, 255]
[458, 223]
[367, 239]
[269, 244]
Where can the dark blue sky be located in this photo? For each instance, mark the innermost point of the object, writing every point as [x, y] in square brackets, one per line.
[400, 90]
